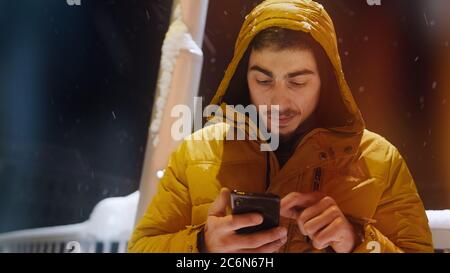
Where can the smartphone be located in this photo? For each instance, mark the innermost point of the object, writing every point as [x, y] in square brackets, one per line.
[266, 204]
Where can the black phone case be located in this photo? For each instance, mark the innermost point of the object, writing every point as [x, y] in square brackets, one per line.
[268, 205]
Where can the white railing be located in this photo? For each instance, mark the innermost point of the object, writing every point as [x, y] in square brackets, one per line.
[108, 229]
[178, 84]
[439, 221]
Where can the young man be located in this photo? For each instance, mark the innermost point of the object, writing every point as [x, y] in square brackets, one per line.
[343, 188]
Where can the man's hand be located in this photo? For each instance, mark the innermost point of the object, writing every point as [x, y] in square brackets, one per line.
[319, 218]
[220, 230]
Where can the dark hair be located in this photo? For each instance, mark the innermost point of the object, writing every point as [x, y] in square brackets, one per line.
[278, 39]
[331, 111]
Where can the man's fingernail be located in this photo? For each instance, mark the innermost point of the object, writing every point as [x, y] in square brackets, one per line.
[258, 219]
[323, 246]
[282, 232]
[283, 240]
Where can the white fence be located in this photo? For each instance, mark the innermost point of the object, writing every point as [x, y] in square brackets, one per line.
[107, 231]
[439, 221]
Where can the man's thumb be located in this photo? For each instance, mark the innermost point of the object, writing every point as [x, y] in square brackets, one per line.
[219, 206]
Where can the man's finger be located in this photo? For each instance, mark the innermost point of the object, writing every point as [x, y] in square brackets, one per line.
[328, 235]
[259, 239]
[316, 209]
[291, 204]
[268, 248]
[235, 222]
[219, 206]
[312, 226]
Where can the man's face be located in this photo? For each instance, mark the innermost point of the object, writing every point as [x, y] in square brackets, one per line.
[288, 78]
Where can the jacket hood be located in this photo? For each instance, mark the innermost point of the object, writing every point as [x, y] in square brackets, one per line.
[299, 15]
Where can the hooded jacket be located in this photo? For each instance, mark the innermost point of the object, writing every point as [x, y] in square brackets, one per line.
[360, 170]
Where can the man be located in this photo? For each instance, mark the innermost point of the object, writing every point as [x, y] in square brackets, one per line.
[343, 188]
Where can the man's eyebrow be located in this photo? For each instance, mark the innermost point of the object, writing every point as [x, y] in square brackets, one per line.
[300, 73]
[262, 70]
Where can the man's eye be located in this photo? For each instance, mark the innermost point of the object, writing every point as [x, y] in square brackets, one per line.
[266, 82]
[298, 84]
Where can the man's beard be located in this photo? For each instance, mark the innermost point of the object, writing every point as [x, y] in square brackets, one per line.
[285, 137]
[288, 113]
[305, 126]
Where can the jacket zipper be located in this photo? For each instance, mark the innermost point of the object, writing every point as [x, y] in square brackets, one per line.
[316, 186]
[267, 179]
[317, 178]
[286, 246]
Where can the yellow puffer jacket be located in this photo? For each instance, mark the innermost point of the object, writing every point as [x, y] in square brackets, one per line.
[361, 170]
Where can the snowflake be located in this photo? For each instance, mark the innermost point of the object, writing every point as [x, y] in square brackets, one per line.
[306, 25]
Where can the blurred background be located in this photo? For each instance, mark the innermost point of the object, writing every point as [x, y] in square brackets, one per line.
[76, 94]
[77, 85]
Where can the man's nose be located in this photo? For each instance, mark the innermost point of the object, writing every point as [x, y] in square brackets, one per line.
[280, 96]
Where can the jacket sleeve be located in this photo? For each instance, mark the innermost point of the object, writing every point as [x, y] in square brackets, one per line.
[165, 227]
[400, 222]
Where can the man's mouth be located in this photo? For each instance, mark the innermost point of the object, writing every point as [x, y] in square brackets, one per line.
[283, 121]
